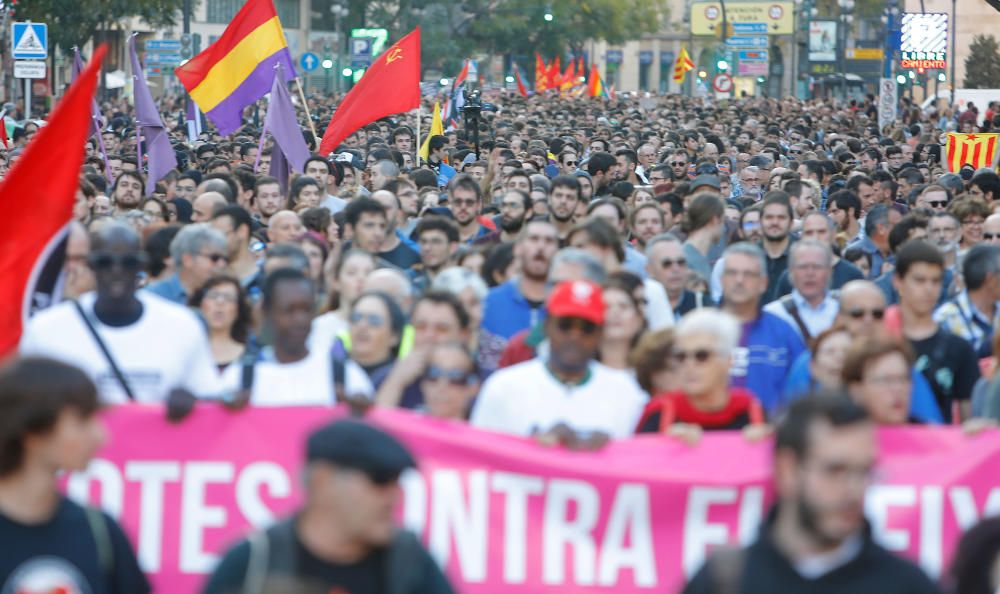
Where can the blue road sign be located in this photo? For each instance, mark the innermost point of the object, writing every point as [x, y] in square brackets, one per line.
[361, 52]
[753, 55]
[309, 62]
[163, 58]
[747, 41]
[614, 56]
[30, 40]
[744, 28]
[163, 45]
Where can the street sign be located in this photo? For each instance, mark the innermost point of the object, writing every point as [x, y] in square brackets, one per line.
[744, 28]
[748, 41]
[152, 71]
[722, 83]
[30, 40]
[776, 17]
[753, 55]
[309, 62]
[164, 58]
[887, 99]
[29, 69]
[646, 57]
[865, 53]
[165, 45]
[361, 52]
[752, 69]
[614, 56]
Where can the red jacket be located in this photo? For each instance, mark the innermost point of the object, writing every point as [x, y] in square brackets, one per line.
[664, 410]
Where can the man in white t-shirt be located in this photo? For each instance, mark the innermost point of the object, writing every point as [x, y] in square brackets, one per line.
[567, 397]
[160, 349]
[288, 372]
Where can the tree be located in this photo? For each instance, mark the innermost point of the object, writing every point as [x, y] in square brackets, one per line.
[74, 22]
[982, 66]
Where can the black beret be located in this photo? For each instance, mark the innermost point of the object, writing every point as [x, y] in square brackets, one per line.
[359, 445]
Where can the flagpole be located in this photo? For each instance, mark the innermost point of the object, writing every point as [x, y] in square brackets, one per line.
[420, 107]
[305, 106]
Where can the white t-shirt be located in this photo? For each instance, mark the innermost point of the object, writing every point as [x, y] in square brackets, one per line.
[325, 330]
[166, 348]
[526, 397]
[308, 382]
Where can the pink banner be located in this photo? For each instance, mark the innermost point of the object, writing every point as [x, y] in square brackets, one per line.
[503, 514]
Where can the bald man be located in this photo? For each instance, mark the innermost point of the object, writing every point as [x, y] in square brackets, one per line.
[285, 226]
[393, 282]
[862, 311]
[206, 205]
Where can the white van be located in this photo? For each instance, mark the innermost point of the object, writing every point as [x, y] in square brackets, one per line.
[981, 97]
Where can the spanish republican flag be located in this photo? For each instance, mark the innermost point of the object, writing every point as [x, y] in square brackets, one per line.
[683, 65]
[391, 85]
[541, 74]
[977, 150]
[238, 68]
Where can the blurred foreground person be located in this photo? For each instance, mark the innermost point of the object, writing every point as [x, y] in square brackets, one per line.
[344, 538]
[48, 425]
[815, 539]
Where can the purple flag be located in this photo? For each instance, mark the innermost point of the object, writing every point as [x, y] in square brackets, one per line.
[96, 119]
[280, 121]
[149, 126]
[279, 169]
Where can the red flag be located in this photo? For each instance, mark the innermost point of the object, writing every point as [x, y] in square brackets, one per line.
[554, 74]
[541, 74]
[391, 85]
[49, 170]
[521, 88]
[3, 133]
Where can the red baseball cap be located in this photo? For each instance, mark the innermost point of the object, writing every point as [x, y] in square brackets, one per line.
[577, 299]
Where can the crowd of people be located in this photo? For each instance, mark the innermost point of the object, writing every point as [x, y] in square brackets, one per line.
[597, 270]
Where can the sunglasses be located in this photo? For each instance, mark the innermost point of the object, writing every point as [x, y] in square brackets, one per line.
[374, 320]
[103, 261]
[568, 324]
[991, 236]
[570, 163]
[937, 203]
[678, 163]
[857, 314]
[667, 262]
[700, 356]
[455, 377]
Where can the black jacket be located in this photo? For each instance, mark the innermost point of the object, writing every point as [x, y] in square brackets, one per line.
[765, 570]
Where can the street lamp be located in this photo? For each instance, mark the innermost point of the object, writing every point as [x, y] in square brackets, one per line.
[339, 11]
[846, 7]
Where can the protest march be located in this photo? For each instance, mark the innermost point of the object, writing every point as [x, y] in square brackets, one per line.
[542, 336]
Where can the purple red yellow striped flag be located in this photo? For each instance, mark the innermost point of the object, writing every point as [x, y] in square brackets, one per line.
[238, 68]
[977, 150]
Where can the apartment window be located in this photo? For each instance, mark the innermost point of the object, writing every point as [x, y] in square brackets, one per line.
[223, 11]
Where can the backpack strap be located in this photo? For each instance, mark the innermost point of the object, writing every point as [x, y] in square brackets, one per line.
[102, 538]
[338, 369]
[248, 364]
[668, 414]
[257, 565]
[793, 310]
[89, 323]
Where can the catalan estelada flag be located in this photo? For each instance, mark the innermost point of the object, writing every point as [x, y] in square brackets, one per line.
[977, 150]
[238, 68]
[683, 65]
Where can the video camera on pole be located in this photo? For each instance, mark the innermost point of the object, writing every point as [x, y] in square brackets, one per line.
[473, 112]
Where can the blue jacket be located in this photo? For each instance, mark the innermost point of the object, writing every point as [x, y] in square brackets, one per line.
[506, 312]
[170, 289]
[768, 348]
[923, 406]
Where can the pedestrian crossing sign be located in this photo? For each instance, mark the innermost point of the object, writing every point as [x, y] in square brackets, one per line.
[30, 40]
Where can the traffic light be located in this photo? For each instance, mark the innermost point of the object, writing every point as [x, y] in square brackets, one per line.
[186, 53]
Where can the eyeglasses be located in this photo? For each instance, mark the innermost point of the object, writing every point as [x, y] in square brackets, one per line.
[699, 356]
[455, 377]
[568, 324]
[751, 226]
[876, 314]
[221, 296]
[104, 261]
[889, 380]
[937, 203]
[216, 258]
[667, 262]
[373, 320]
[991, 236]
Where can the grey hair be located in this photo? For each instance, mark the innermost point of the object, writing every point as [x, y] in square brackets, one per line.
[292, 252]
[720, 324]
[192, 239]
[805, 244]
[661, 238]
[748, 249]
[593, 270]
[456, 279]
[387, 168]
[819, 213]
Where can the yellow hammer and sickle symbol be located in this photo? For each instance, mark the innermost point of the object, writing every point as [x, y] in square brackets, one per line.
[393, 55]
